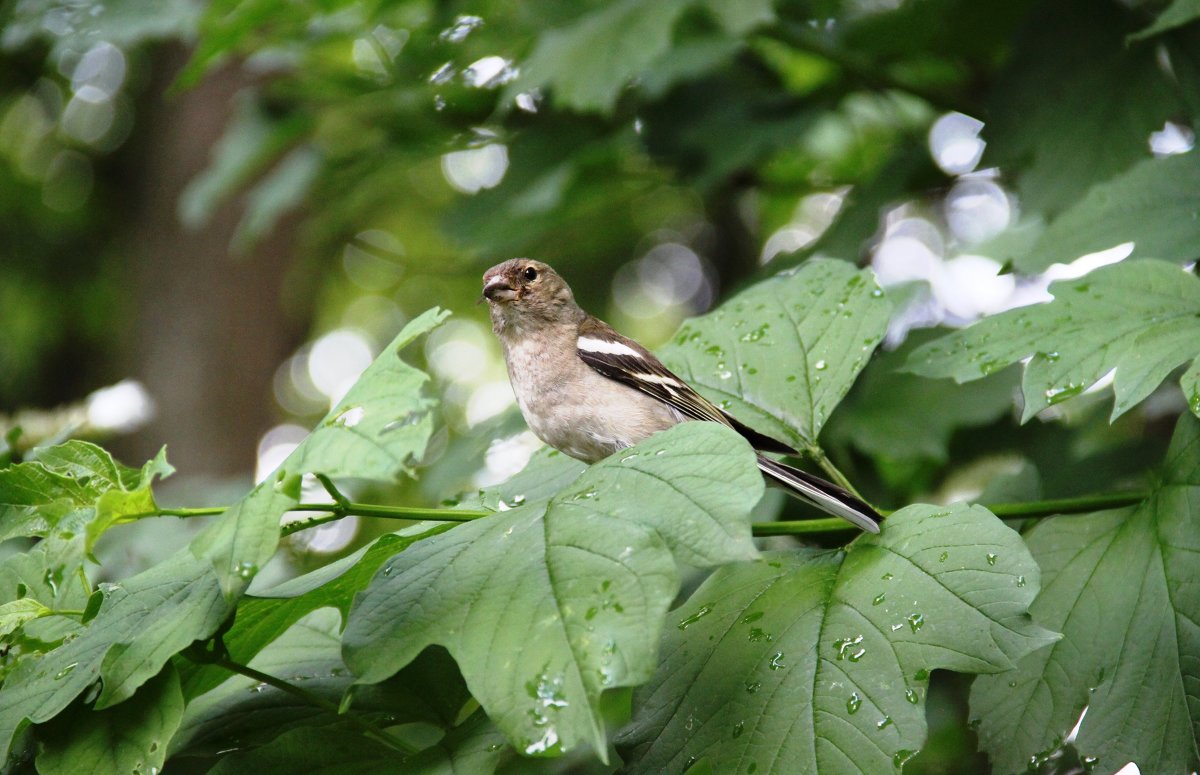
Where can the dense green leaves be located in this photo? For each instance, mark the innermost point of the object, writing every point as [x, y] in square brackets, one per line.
[244, 713]
[1141, 318]
[123, 22]
[818, 661]
[129, 738]
[74, 486]
[780, 355]
[891, 415]
[1076, 105]
[1121, 586]
[1154, 204]
[589, 62]
[549, 604]
[141, 624]
[263, 618]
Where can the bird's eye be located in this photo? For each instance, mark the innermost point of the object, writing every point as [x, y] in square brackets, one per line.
[530, 273]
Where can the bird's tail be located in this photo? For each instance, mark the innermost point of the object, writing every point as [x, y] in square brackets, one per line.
[825, 495]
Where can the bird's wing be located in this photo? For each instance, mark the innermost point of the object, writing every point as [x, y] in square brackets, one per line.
[624, 360]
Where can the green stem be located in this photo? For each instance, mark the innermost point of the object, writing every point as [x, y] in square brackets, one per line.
[396, 512]
[1033, 509]
[333, 491]
[334, 511]
[207, 511]
[801, 527]
[1079, 505]
[349, 509]
[369, 729]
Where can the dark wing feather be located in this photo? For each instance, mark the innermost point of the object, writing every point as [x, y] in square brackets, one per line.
[627, 362]
[663, 385]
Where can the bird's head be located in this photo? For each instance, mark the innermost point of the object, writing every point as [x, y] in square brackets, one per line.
[523, 293]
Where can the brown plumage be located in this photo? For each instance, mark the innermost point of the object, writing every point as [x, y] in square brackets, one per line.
[588, 391]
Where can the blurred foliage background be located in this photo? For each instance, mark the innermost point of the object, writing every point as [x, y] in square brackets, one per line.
[213, 214]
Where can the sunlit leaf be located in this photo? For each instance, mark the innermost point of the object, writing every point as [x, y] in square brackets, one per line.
[72, 487]
[377, 431]
[1177, 14]
[817, 661]
[15, 613]
[131, 737]
[1122, 587]
[780, 355]
[547, 474]
[547, 605]
[380, 428]
[1141, 318]
[47, 573]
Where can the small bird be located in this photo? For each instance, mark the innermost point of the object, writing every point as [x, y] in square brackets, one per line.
[588, 392]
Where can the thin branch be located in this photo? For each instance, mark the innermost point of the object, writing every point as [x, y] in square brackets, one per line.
[334, 511]
[333, 491]
[349, 509]
[801, 527]
[1084, 504]
[1031, 510]
[369, 729]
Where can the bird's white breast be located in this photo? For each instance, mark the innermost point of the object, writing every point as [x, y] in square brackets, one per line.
[575, 409]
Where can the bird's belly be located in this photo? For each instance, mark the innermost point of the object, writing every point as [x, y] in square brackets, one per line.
[587, 415]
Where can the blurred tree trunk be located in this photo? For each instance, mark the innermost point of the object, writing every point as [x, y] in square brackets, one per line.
[208, 328]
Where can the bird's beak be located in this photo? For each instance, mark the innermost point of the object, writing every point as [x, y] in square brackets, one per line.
[497, 289]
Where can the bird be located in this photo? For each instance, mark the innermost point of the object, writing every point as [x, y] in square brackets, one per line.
[588, 391]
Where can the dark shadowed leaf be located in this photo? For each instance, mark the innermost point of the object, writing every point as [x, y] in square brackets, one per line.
[262, 619]
[1076, 105]
[896, 416]
[1121, 585]
[131, 737]
[242, 713]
